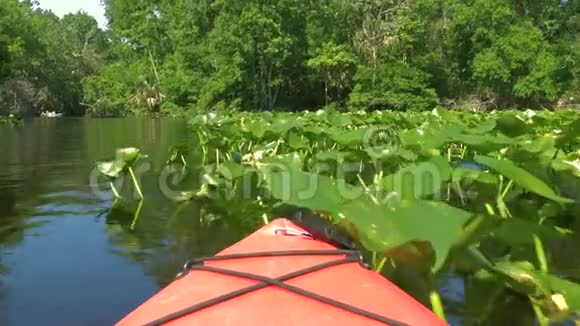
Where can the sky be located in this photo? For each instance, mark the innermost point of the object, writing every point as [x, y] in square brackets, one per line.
[63, 7]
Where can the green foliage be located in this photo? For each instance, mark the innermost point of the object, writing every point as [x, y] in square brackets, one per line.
[44, 58]
[335, 64]
[396, 86]
[123, 163]
[485, 194]
[289, 55]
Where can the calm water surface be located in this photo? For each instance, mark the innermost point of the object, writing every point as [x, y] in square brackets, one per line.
[66, 257]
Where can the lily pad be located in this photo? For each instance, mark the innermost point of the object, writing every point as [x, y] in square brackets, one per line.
[287, 183]
[417, 181]
[522, 178]
[384, 227]
[522, 277]
[111, 169]
[129, 155]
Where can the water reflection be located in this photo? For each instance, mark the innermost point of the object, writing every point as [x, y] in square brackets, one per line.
[64, 249]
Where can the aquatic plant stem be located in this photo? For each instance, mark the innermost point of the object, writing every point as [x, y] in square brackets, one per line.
[184, 161]
[136, 215]
[114, 190]
[204, 155]
[502, 193]
[265, 219]
[463, 152]
[217, 158]
[540, 254]
[135, 183]
[507, 189]
[543, 262]
[381, 265]
[542, 320]
[437, 304]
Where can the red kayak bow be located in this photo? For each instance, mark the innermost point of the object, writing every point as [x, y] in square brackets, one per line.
[280, 275]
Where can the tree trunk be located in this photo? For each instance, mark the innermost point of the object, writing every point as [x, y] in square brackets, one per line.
[374, 65]
[326, 92]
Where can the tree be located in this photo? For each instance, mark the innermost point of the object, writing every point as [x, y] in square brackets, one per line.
[335, 64]
[288, 54]
[379, 29]
[399, 87]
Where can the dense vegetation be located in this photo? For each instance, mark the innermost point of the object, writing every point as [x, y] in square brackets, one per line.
[169, 56]
[482, 180]
[492, 198]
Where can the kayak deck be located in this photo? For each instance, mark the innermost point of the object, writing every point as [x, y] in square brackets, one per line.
[343, 283]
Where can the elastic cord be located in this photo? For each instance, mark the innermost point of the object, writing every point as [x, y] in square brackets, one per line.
[279, 282]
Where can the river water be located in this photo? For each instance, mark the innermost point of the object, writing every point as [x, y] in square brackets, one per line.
[67, 258]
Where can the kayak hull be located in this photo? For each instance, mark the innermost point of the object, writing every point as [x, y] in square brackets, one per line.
[348, 283]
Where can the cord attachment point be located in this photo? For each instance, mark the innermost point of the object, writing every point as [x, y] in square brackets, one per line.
[293, 233]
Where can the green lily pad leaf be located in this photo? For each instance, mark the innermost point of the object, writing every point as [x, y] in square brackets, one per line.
[482, 127]
[512, 125]
[176, 153]
[293, 160]
[379, 153]
[129, 155]
[540, 144]
[315, 130]
[426, 136]
[417, 181]
[550, 210]
[287, 183]
[297, 142]
[231, 170]
[337, 156]
[350, 138]
[200, 120]
[570, 290]
[517, 231]
[470, 259]
[388, 226]
[522, 277]
[338, 119]
[569, 163]
[261, 152]
[257, 129]
[282, 126]
[522, 178]
[469, 175]
[192, 195]
[111, 169]
[429, 152]
[570, 134]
